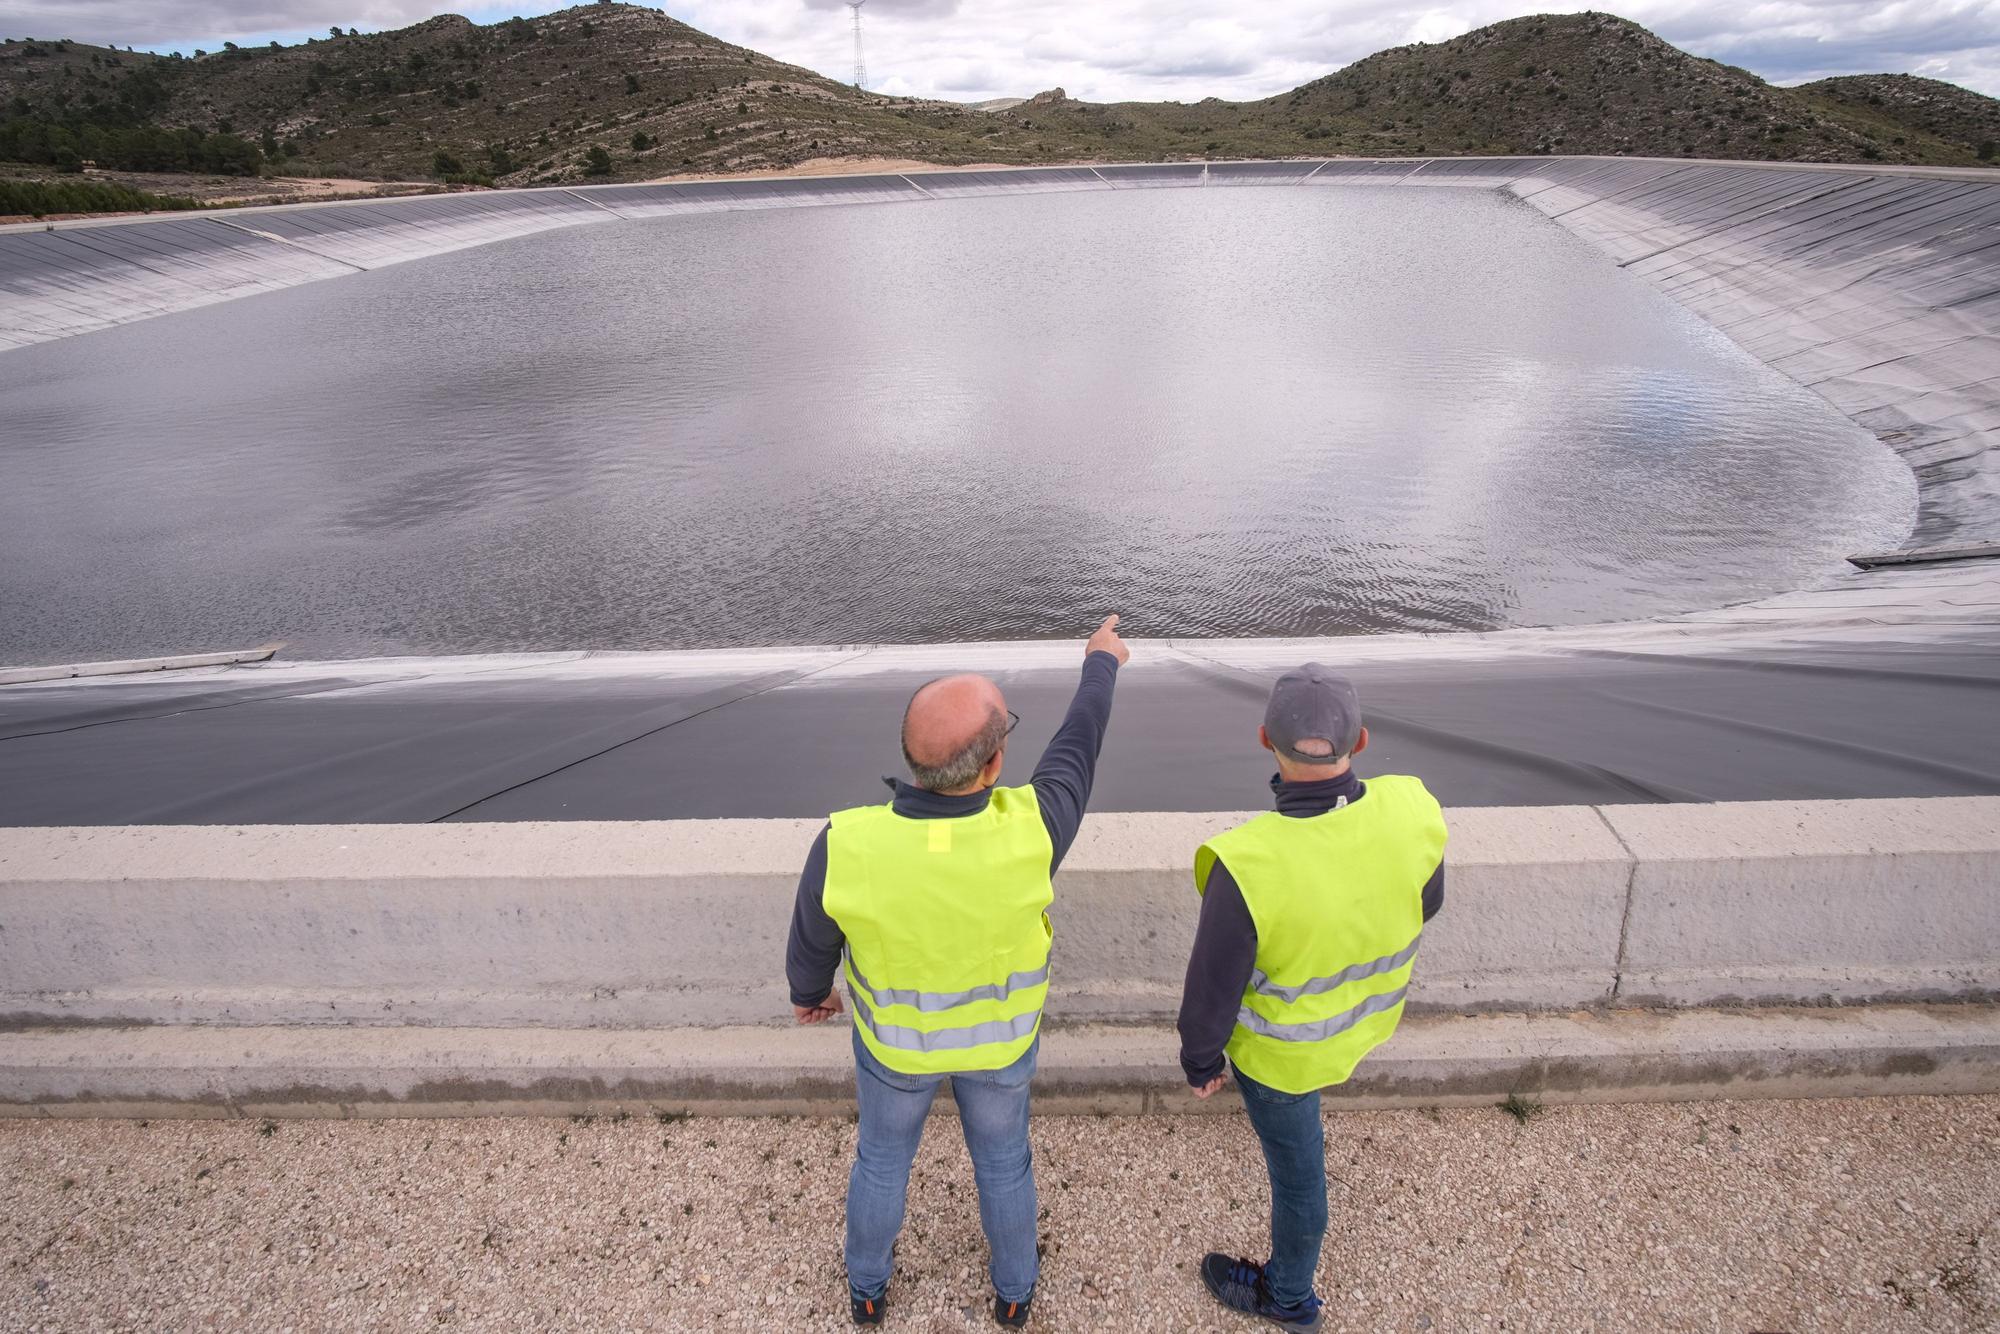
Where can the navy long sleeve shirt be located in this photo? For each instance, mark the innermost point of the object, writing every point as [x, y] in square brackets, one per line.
[1225, 940]
[1061, 780]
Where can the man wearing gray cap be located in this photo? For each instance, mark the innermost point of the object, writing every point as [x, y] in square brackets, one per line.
[1310, 916]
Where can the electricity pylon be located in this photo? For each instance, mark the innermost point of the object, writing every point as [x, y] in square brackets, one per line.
[860, 69]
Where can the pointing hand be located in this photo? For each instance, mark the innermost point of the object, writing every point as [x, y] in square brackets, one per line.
[1106, 640]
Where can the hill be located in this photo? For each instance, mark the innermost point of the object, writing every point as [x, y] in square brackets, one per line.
[1581, 83]
[1895, 104]
[516, 101]
[619, 91]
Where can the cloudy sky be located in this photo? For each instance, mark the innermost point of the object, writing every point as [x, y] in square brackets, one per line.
[1112, 50]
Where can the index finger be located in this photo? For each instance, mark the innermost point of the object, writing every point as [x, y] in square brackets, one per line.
[1110, 623]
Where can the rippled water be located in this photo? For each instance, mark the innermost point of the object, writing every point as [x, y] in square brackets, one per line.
[1222, 412]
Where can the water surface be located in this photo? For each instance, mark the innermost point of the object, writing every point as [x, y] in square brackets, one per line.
[1256, 411]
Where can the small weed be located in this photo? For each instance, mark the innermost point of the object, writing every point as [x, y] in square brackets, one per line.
[581, 1119]
[1520, 1108]
[768, 1155]
[688, 1210]
[620, 1118]
[668, 1118]
[267, 1128]
[69, 1183]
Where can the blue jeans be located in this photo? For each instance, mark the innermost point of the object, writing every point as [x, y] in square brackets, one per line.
[1294, 1141]
[993, 1110]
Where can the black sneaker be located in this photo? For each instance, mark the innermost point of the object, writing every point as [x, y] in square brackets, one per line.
[1239, 1285]
[1014, 1315]
[868, 1310]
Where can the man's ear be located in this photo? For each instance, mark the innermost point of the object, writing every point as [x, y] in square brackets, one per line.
[1360, 743]
[1264, 739]
[989, 773]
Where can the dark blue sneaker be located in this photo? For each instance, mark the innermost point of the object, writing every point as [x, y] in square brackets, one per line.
[1239, 1285]
[1014, 1315]
[868, 1310]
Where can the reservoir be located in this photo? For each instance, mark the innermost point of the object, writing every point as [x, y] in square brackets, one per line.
[1256, 411]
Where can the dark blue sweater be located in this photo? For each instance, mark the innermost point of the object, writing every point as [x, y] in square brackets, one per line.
[1225, 941]
[1061, 780]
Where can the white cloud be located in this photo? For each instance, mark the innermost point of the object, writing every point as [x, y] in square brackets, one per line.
[1116, 50]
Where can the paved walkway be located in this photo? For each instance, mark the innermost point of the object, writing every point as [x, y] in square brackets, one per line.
[1871, 1215]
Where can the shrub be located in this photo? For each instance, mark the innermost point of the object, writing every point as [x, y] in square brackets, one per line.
[43, 197]
[597, 162]
[445, 163]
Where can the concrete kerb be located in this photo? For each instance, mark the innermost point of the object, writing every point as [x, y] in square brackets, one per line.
[469, 966]
[1435, 1060]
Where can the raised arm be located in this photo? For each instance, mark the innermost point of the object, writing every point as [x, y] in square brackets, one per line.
[1063, 777]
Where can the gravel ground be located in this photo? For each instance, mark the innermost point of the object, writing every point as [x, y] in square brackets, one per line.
[1876, 1214]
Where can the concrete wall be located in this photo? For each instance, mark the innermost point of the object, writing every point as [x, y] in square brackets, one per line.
[677, 924]
[1879, 288]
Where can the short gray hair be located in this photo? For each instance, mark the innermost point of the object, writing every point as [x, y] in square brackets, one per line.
[962, 765]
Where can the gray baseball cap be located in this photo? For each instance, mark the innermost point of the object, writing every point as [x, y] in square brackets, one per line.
[1313, 702]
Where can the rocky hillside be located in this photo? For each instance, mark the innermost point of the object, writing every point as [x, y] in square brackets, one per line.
[623, 92]
[1582, 83]
[515, 101]
[1896, 104]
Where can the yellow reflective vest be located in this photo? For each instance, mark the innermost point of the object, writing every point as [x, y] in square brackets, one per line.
[947, 930]
[1337, 900]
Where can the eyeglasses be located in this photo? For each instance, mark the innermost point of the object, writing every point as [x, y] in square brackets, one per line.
[1013, 721]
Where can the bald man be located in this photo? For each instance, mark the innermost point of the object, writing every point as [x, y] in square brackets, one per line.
[937, 901]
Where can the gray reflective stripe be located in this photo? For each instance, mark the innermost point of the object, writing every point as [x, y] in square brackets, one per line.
[945, 1039]
[1320, 1030]
[930, 1002]
[1388, 963]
